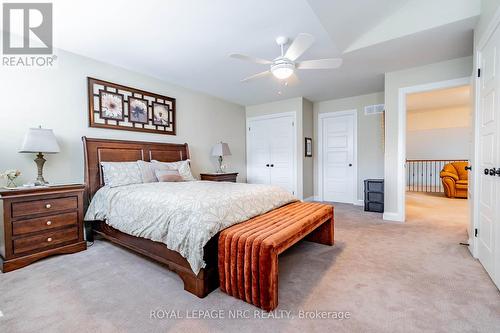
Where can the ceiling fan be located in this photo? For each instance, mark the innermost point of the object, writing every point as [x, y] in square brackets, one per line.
[285, 65]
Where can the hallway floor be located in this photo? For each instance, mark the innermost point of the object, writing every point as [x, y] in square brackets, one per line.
[444, 211]
[390, 277]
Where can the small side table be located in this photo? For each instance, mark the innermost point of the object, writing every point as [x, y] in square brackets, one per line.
[39, 222]
[220, 177]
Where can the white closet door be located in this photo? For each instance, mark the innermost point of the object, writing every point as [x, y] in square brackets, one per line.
[271, 151]
[259, 153]
[282, 152]
[489, 159]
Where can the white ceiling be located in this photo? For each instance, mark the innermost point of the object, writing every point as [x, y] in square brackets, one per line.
[439, 99]
[187, 42]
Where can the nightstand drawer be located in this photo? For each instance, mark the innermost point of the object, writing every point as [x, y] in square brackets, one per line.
[30, 243]
[43, 223]
[48, 206]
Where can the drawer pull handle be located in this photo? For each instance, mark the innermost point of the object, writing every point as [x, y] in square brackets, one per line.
[48, 206]
[49, 222]
[49, 239]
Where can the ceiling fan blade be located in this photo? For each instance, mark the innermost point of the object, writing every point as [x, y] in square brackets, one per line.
[251, 59]
[299, 45]
[320, 64]
[256, 76]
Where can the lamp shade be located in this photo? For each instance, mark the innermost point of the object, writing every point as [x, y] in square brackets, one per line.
[40, 140]
[221, 149]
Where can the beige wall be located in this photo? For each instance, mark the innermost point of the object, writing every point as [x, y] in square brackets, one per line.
[57, 98]
[286, 105]
[297, 105]
[439, 134]
[370, 141]
[308, 131]
[438, 118]
[442, 71]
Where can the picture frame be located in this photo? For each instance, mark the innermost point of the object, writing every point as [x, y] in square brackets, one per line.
[161, 114]
[308, 147]
[138, 110]
[119, 107]
[111, 105]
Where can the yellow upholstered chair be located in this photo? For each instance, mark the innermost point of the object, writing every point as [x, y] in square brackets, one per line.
[455, 179]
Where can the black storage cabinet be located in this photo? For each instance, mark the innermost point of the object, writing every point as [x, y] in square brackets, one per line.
[374, 195]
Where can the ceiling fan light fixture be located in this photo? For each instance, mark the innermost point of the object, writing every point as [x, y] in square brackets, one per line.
[282, 71]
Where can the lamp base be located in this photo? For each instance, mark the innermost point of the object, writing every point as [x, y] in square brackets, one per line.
[40, 161]
[219, 170]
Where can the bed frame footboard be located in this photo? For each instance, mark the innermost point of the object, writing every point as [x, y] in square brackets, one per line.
[201, 284]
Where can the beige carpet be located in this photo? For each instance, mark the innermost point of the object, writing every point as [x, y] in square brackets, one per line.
[391, 277]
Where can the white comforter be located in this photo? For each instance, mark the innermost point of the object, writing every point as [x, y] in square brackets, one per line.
[183, 215]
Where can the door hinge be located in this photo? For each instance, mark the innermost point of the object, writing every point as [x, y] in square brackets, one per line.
[479, 72]
[249, 129]
[475, 232]
[293, 192]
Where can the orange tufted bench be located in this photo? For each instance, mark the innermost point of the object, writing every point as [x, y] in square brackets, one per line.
[248, 252]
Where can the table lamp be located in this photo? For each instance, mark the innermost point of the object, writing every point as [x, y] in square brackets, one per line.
[220, 149]
[40, 140]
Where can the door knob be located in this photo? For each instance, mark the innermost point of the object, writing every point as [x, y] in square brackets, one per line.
[350, 164]
[498, 172]
[468, 168]
[486, 171]
[272, 165]
[493, 172]
[267, 165]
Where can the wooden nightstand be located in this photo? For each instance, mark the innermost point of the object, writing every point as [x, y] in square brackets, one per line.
[219, 177]
[39, 222]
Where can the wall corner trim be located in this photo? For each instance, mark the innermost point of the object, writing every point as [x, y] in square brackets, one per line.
[393, 216]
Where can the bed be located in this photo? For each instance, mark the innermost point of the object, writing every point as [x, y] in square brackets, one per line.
[200, 275]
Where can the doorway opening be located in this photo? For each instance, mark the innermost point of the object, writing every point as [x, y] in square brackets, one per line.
[439, 138]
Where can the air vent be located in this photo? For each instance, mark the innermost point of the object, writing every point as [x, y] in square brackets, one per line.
[374, 109]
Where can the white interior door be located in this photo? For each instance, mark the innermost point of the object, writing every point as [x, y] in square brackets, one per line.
[282, 152]
[271, 151]
[489, 158]
[338, 157]
[259, 153]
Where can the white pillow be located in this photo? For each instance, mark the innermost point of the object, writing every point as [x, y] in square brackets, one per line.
[121, 173]
[181, 166]
[147, 171]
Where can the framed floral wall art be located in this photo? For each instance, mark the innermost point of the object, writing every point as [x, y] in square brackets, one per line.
[111, 105]
[138, 110]
[160, 114]
[116, 106]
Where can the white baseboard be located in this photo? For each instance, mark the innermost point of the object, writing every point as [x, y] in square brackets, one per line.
[359, 203]
[389, 216]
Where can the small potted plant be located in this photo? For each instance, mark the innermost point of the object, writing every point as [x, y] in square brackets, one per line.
[11, 176]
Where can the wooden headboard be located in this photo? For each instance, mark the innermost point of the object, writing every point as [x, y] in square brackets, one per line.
[103, 150]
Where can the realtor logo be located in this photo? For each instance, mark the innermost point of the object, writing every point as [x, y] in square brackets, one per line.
[27, 35]
[27, 28]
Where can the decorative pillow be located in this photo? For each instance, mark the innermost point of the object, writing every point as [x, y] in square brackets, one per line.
[121, 173]
[147, 171]
[168, 176]
[182, 166]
